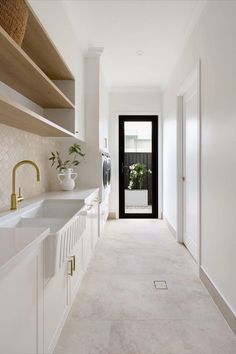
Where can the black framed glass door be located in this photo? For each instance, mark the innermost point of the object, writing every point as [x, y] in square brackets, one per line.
[138, 166]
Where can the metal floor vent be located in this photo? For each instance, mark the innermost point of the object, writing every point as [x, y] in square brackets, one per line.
[160, 284]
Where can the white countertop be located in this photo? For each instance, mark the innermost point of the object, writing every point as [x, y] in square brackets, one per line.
[79, 194]
[14, 242]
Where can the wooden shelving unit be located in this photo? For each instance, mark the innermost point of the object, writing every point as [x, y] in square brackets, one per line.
[49, 60]
[30, 70]
[18, 71]
[20, 117]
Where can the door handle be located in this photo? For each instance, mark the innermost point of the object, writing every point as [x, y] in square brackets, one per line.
[183, 178]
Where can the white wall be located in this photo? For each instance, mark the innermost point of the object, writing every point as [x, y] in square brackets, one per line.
[90, 174]
[53, 17]
[213, 41]
[96, 120]
[103, 110]
[128, 101]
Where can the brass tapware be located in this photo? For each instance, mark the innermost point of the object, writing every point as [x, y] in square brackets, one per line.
[20, 196]
[14, 197]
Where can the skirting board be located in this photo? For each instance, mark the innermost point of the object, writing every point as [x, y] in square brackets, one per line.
[218, 299]
[170, 227]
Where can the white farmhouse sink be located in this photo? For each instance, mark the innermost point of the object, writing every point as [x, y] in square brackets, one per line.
[53, 224]
[51, 208]
[66, 221]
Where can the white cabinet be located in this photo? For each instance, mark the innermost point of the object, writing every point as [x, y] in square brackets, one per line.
[87, 249]
[21, 306]
[93, 220]
[104, 211]
[91, 235]
[56, 306]
[60, 290]
[76, 269]
[59, 293]
[33, 307]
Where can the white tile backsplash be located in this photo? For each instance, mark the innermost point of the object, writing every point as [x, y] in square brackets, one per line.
[17, 145]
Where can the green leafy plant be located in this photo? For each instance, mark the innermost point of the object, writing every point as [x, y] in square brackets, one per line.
[137, 174]
[74, 150]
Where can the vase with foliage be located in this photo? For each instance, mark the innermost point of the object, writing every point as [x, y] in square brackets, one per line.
[66, 176]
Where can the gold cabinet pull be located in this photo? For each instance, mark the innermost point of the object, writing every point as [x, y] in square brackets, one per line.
[70, 262]
[73, 263]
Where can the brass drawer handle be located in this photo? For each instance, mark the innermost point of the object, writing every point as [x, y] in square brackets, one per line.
[70, 267]
[73, 263]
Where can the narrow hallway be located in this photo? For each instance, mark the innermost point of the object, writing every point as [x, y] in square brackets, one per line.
[118, 310]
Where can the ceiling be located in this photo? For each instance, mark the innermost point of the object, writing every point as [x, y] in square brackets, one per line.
[142, 39]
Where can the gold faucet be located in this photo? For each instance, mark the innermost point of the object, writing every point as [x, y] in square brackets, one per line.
[14, 198]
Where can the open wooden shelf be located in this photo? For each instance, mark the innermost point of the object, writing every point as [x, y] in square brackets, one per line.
[17, 116]
[18, 71]
[30, 70]
[48, 59]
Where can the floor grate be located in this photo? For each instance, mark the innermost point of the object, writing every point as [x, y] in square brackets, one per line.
[160, 284]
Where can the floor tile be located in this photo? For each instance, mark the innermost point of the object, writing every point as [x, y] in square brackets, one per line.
[84, 337]
[119, 311]
[134, 297]
[171, 337]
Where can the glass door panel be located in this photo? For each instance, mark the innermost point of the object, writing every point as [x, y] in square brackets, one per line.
[136, 167]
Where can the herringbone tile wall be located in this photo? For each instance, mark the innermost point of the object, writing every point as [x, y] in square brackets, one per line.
[17, 145]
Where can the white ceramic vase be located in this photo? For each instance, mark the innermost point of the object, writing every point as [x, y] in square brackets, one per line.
[67, 179]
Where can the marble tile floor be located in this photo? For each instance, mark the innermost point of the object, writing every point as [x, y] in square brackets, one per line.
[118, 310]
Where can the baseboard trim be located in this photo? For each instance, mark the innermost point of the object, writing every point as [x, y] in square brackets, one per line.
[219, 300]
[170, 227]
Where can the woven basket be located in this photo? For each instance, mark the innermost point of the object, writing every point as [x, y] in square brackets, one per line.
[13, 18]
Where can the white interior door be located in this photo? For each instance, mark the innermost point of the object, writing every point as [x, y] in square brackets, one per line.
[191, 169]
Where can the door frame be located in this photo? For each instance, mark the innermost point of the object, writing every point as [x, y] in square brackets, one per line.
[193, 77]
[154, 118]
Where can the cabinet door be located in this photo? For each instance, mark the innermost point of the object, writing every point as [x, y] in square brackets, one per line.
[87, 248]
[21, 307]
[91, 234]
[76, 268]
[56, 306]
[94, 224]
[104, 211]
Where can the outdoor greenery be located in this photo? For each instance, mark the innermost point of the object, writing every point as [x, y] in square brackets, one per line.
[74, 151]
[137, 174]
